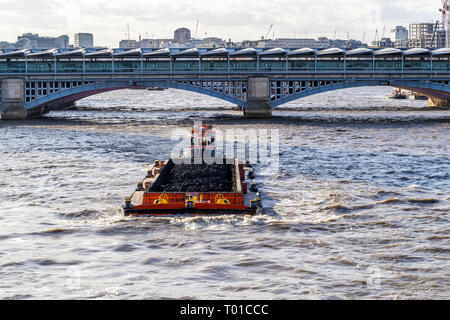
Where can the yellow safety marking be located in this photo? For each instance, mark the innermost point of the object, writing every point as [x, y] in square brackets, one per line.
[220, 199]
[163, 199]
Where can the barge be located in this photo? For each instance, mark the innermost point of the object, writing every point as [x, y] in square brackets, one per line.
[397, 94]
[173, 187]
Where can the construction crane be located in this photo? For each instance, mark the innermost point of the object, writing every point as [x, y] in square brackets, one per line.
[434, 35]
[445, 23]
[270, 29]
[445, 8]
[377, 37]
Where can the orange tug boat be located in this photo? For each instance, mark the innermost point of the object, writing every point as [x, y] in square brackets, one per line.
[169, 188]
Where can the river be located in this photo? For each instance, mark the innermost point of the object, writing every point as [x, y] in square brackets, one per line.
[359, 209]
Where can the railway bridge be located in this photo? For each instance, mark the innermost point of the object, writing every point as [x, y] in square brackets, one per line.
[32, 82]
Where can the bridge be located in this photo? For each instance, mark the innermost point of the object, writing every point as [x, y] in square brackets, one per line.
[32, 82]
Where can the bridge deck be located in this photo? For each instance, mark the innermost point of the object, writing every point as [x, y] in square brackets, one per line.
[237, 67]
[223, 61]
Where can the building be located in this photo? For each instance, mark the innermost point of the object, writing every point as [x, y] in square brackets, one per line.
[196, 43]
[438, 40]
[383, 43]
[23, 44]
[34, 41]
[401, 43]
[427, 35]
[149, 43]
[182, 35]
[343, 44]
[154, 43]
[399, 33]
[31, 39]
[417, 30]
[6, 46]
[128, 44]
[289, 43]
[176, 45]
[400, 37]
[62, 42]
[295, 43]
[84, 40]
[447, 29]
[231, 44]
[249, 43]
[208, 43]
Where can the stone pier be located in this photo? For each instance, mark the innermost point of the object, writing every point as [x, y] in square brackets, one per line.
[13, 101]
[258, 104]
[438, 102]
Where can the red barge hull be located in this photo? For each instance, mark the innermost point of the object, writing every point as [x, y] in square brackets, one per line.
[148, 202]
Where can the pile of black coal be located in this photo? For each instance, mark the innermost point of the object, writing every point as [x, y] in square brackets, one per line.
[199, 178]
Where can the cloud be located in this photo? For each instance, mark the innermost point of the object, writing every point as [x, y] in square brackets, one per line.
[226, 19]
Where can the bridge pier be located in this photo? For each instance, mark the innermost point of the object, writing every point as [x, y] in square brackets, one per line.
[258, 104]
[13, 101]
[438, 102]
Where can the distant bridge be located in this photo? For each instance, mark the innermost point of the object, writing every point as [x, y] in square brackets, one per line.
[35, 81]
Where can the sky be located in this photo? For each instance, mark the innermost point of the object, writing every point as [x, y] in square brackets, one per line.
[227, 19]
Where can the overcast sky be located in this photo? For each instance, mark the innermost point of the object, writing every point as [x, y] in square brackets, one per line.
[235, 19]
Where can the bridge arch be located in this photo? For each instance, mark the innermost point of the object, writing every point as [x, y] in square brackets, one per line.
[62, 93]
[58, 94]
[284, 91]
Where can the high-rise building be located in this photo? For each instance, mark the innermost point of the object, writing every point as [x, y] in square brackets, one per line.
[182, 36]
[399, 33]
[426, 35]
[399, 37]
[84, 40]
[417, 30]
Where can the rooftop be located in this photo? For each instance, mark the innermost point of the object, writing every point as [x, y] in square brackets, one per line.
[204, 52]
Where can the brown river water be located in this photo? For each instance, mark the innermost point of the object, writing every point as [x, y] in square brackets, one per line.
[359, 209]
